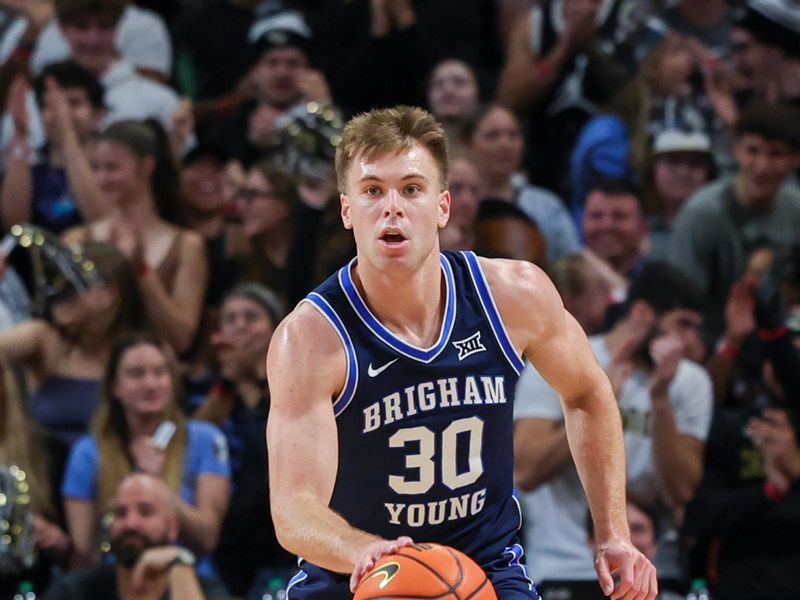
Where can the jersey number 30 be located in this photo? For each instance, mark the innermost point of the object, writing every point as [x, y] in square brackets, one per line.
[424, 460]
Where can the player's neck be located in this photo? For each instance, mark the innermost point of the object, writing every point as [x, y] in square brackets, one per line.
[409, 304]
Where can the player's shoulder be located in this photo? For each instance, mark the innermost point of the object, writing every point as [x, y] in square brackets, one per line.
[524, 295]
[511, 280]
[306, 332]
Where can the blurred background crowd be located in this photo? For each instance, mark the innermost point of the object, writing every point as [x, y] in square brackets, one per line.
[168, 194]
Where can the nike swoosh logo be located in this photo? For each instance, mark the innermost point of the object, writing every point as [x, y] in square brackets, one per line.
[387, 571]
[375, 372]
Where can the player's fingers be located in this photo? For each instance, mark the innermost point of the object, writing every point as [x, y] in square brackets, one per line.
[604, 575]
[621, 592]
[653, 592]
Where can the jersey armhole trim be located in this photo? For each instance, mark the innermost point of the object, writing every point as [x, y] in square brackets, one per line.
[351, 381]
[492, 314]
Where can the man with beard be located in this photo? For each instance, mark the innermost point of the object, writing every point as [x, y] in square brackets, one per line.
[665, 401]
[149, 565]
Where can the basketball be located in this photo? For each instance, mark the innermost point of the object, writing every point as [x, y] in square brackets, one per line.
[425, 571]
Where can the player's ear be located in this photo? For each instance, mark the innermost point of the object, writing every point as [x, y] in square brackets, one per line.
[348, 224]
[444, 208]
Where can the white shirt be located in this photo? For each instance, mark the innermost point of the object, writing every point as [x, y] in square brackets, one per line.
[555, 513]
[142, 39]
[128, 96]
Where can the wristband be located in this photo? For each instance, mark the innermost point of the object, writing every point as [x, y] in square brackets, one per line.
[726, 349]
[769, 335]
[773, 492]
[143, 269]
[182, 557]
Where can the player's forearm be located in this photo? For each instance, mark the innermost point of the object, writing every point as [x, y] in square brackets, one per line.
[306, 527]
[594, 430]
[678, 464]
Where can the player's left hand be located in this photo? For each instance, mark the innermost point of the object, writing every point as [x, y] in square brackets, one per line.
[370, 554]
[635, 573]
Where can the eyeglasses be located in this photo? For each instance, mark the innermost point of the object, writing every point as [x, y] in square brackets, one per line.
[247, 195]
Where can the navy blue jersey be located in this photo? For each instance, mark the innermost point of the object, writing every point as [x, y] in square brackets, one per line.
[425, 434]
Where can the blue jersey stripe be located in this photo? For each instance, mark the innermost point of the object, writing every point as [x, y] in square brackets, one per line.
[515, 554]
[348, 391]
[424, 355]
[490, 308]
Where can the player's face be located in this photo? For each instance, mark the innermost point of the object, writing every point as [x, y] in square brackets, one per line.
[143, 382]
[395, 207]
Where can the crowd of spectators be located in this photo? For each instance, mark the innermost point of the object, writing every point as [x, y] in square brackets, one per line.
[645, 153]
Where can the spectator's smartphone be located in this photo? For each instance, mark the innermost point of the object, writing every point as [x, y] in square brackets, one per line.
[164, 434]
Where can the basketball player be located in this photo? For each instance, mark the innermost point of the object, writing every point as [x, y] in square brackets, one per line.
[392, 388]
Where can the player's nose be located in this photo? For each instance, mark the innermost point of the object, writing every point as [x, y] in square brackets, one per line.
[393, 204]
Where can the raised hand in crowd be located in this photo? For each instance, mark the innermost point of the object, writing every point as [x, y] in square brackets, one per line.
[666, 352]
[37, 12]
[580, 17]
[632, 333]
[17, 107]
[313, 86]
[183, 124]
[775, 438]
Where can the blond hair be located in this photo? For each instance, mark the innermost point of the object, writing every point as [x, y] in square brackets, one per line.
[110, 427]
[381, 131]
[19, 444]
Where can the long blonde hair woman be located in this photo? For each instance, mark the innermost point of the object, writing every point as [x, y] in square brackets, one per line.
[140, 392]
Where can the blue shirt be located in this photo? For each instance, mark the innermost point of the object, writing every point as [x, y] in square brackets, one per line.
[206, 452]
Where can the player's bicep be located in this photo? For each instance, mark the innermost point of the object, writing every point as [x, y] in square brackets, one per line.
[304, 368]
[563, 356]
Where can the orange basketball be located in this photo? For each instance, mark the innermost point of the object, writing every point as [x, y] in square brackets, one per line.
[425, 571]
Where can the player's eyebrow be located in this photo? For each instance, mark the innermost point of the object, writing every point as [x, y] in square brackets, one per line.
[412, 175]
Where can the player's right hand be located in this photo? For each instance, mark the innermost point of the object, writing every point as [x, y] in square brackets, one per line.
[370, 554]
[636, 575]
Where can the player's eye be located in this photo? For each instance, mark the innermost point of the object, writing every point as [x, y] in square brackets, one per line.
[411, 189]
[372, 190]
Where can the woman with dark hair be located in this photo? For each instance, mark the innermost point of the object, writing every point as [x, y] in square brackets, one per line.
[138, 177]
[266, 204]
[66, 355]
[140, 392]
[495, 138]
[238, 402]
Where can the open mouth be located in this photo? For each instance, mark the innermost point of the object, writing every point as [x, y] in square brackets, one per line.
[393, 238]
